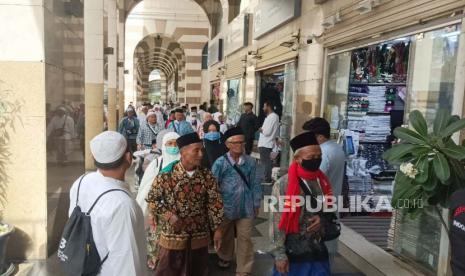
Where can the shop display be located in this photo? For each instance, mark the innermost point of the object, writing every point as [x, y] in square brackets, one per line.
[233, 99]
[375, 103]
[368, 93]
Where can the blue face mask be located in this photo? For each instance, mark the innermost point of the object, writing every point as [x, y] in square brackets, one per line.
[212, 136]
[172, 150]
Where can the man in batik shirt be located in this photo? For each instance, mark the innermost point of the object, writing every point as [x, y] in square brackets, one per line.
[187, 200]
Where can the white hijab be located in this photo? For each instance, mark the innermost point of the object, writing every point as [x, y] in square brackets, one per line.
[216, 117]
[154, 168]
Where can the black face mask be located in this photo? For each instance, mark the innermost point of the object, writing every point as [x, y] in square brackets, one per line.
[311, 165]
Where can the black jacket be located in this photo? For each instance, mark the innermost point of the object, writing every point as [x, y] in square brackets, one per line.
[249, 124]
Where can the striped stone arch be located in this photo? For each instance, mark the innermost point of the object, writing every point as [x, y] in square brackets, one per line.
[162, 53]
[218, 12]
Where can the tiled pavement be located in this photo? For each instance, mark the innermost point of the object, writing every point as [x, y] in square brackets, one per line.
[60, 180]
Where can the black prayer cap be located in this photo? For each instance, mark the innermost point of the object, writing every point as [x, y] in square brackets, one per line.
[188, 139]
[232, 132]
[179, 110]
[303, 140]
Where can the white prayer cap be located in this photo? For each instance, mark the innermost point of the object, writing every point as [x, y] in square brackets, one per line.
[151, 113]
[108, 147]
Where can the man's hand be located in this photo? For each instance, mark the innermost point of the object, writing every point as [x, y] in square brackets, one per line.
[261, 130]
[315, 224]
[139, 147]
[217, 239]
[282, 266]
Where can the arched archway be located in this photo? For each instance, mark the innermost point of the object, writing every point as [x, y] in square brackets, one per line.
[218, 12]
[189, 28]
[157, 85]
[161, 53]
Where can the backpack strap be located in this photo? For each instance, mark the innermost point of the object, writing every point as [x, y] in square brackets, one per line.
[239, 172]
[79, 188]
[104, 259]
[104, 193]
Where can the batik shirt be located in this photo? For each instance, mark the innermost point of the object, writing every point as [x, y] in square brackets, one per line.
[240, 199]
[196, 201]
[278, 237]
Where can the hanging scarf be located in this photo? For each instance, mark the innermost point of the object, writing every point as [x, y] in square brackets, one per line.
[290, 220]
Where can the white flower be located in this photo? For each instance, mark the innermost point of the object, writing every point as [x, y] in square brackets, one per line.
[4, 229]
[409, 170]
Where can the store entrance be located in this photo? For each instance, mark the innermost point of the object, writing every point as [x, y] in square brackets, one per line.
[369, 92]
[277, 85]
[271, 89]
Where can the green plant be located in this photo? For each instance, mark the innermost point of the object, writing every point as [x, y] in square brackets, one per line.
[9, 113]
[430, 163]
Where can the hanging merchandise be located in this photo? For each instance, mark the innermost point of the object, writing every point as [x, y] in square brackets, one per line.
[375, 101]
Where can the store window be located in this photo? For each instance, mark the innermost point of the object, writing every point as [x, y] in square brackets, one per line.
[215, 93]
[205, 57]
[337, 90]
[431, 86]
[369, 92]
[233, 100]
[434, 60]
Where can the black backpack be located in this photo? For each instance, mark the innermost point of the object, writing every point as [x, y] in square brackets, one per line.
[77, 252]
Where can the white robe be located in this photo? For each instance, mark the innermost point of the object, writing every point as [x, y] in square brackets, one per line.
[117, 224]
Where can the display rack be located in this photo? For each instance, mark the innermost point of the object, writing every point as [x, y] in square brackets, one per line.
[374, 92]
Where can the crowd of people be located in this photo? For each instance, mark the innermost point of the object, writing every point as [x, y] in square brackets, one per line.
[200, 191]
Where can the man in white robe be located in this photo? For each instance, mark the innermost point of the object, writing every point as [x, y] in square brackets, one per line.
[117, 220]
[60, 133]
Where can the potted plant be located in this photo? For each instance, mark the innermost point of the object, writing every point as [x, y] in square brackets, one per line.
[9, 111]
[430, 164]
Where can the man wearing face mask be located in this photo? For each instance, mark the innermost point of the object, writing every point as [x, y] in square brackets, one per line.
[297, 234]
[332, 165]
[194, 120]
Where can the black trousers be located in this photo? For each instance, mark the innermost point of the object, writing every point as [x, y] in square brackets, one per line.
[265, 160]
[248, 145]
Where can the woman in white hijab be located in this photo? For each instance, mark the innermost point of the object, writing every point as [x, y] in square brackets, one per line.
[218, 117]
[170, 153]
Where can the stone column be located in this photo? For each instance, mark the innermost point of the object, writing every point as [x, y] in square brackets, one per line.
[112, 63]
[93, 45]
[23, 182]
[121, 42]
[310, 69]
